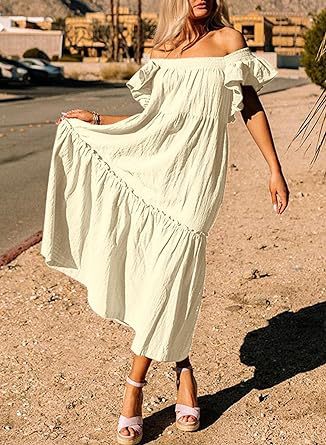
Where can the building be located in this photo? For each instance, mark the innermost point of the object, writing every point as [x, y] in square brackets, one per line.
[288, 33]
[19, 33]
[21, 21]
[89, 36]
[279, 36]
[256, 28]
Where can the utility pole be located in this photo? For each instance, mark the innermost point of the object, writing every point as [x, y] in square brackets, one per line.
[139, 33]
[117, 39]
[112, 31]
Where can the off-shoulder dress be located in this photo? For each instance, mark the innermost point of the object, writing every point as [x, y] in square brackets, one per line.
[129, 205]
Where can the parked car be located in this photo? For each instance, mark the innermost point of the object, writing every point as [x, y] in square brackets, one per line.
[14, 73]
[53, 72]
[36, 76]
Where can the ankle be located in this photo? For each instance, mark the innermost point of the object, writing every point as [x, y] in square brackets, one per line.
[137, 379]
[183, 363]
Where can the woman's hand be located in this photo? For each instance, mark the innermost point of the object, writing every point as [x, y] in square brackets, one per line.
[83, 115]
[279, 191]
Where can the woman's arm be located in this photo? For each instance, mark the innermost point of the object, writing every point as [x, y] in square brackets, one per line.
[111, 119]
[87, 116]
[255, 118]
[257, 124]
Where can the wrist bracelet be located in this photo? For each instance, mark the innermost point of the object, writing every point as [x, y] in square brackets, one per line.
[96, 118]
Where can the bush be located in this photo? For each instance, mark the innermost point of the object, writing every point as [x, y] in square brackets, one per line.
[71, 58]
[313, 38]
[114, 71]
[75, 75]
[35, 53]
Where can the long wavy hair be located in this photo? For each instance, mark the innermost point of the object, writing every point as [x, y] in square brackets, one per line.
[176, 21]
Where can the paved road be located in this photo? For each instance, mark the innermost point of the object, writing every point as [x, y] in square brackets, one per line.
[27, 132]
[68, 86]
[76, 87]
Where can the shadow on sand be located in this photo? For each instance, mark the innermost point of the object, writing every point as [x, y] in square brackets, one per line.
[292, 343]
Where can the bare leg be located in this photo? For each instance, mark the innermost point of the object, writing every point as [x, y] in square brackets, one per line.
[187, 389]
[131, 404]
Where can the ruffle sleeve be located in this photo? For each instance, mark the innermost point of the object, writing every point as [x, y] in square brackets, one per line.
[141, 83]
[247, 70]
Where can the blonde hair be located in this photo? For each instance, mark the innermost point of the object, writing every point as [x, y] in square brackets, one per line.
[173, 27]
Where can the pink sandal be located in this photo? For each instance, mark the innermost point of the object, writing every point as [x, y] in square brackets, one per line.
[135, 422]
[185, 410]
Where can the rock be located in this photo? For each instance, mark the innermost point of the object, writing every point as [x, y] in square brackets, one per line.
[254, 274]
[262, 397]
[233, 308]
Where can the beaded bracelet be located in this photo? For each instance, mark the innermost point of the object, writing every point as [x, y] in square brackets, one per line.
[96, 118]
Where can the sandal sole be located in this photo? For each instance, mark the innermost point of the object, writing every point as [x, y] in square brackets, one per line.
[123, 440]
[188, 428]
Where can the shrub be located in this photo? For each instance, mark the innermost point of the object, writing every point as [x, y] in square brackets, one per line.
[112, 71]
[75, 75]
[35, 53]
[313, 38]
[71, 58]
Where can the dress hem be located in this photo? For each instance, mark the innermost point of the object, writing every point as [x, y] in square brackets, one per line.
[53, 263]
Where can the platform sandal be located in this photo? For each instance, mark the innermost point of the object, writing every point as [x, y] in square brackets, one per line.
[185, 410]
[136, 422]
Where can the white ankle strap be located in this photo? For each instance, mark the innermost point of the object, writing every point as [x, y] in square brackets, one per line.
[137, 384]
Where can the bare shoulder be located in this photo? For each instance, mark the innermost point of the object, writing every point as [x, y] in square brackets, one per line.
[228, 39]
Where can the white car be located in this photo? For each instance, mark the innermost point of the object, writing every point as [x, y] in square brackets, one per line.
[53, 72]
[14, 73]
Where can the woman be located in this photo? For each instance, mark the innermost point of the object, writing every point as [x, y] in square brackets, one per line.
[143, 191]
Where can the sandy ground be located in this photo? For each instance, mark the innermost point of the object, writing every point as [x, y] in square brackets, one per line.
[259, 344]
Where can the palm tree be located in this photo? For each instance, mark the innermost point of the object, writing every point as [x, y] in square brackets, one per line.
[317, 116]
[322, 49]
[113, 30]
[139, 32]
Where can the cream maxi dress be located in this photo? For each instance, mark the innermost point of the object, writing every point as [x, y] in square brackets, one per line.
[129, 205]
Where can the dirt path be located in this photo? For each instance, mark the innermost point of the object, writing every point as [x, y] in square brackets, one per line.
[259, 344]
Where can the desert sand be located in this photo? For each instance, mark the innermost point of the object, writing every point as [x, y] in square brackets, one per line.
[259, 347]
